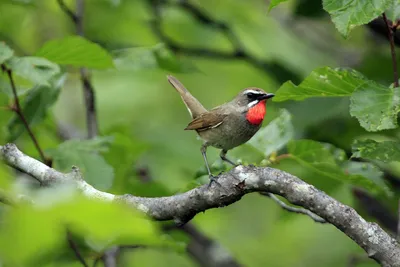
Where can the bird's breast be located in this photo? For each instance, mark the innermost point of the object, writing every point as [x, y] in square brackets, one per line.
[255, 115]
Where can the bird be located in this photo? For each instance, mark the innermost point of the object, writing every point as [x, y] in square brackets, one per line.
[228, 125]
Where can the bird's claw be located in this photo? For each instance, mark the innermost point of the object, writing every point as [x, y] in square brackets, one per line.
[213, 179]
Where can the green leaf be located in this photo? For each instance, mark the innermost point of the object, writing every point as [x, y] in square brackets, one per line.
[347, 14]
[36, 69]
[385, 151]
[322, 82]
[318, 158]
[5, 52]
[41, 231]
[393, 12]
[76, 51]
[274, 3]
[85, 154]
[35, 107]
[375, 106]
[275, 135]
[366, 169]
[157, 56]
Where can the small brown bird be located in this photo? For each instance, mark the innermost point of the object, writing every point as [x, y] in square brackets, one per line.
[226, 126]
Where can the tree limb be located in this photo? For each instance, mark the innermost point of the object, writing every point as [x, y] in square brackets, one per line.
[233, 185]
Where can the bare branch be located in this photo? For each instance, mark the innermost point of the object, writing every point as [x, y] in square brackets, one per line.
[67, 10]
[75, 249]
[204, 250]
[110, 257]
[398, 221]
[392, 49]
[234, 184]
[18, 110]
[88, 91]
[285, 206]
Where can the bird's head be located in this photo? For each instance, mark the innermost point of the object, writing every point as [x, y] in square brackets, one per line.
[252, 101]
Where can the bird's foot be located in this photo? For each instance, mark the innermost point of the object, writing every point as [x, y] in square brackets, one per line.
[213, 179]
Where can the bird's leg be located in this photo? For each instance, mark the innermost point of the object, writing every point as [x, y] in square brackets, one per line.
[224, 158]
[213, 178]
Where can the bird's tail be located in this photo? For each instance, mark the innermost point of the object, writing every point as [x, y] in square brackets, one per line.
[193, 105]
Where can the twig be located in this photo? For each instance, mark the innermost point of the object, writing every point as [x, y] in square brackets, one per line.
[279, 72]
[354, 260]
[18, 110]
[377, 210]
[75, 249]
[287, 207]
[67, 10]
[88, 91]
[392, 49]
[398, 221]
[241, 180]
[110, 257]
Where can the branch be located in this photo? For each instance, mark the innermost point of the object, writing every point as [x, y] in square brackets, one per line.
[313, 216]
[88, 91]
[110, 257]
[204, 250]
[75, 249]
[18, 110]
[392, 49]
[233, 185]
[279, 72]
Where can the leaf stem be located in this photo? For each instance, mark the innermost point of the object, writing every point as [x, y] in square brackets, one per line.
[392, 49]
[18, 110]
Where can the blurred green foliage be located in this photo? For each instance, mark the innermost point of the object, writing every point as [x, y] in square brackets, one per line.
[215, 48]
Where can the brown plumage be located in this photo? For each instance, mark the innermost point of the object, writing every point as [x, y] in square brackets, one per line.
[228, 125]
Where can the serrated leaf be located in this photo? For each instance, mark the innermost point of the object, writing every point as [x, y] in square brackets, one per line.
[5, 52]
[274, 3]
[36, 69]
[76, 51]
[322, 82]
[385, 151]
[157, 56]
[275, 135]
[375, 106]
[85, 154]
[317, 158]
[35, 108]
[347, 14]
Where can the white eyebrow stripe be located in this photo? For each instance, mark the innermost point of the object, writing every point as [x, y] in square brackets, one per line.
[252, 91]
[253, 103]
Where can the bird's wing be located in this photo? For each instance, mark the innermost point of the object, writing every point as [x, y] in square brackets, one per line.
[206, 121]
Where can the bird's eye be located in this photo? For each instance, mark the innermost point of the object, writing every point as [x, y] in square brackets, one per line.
[251, 95]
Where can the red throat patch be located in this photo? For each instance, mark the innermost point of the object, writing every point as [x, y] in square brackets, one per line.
[256, 114]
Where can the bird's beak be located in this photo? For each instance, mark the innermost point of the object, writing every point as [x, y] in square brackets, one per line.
[266, 96]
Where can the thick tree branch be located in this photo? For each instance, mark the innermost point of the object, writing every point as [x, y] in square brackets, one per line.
[204, 250]
[233, 185]
[88, 91]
